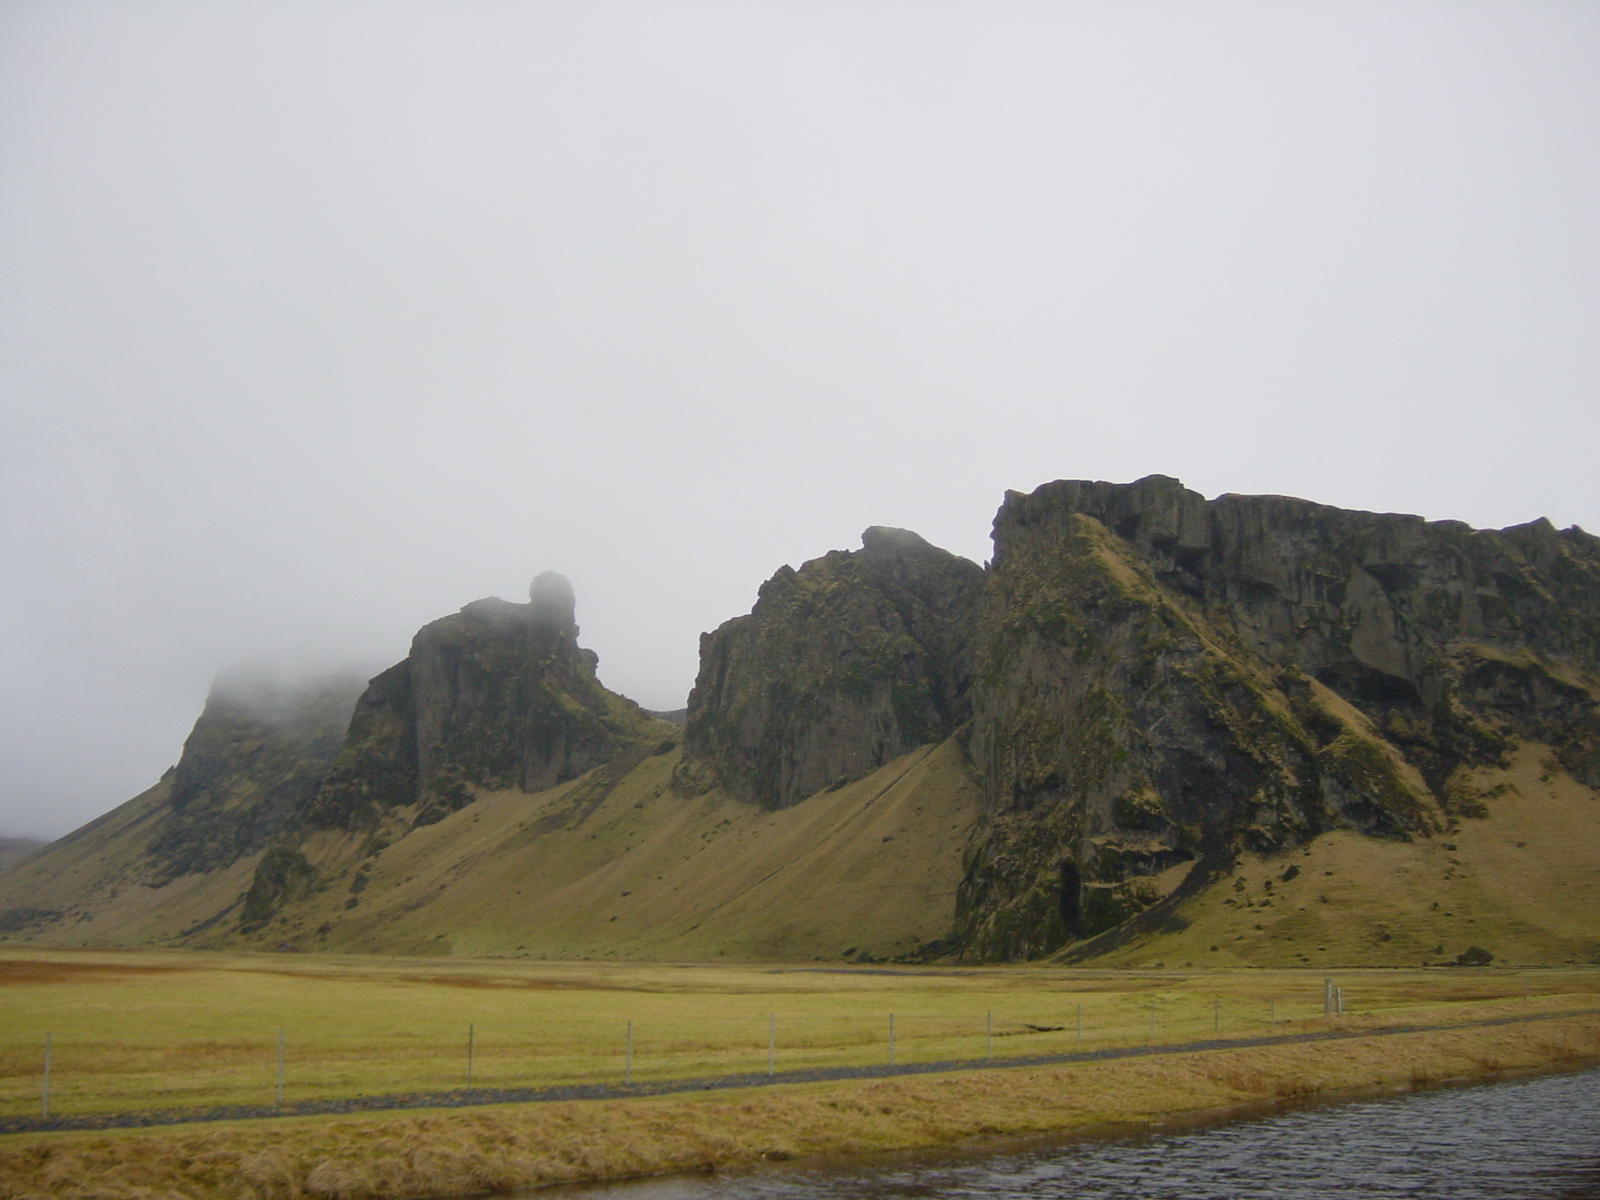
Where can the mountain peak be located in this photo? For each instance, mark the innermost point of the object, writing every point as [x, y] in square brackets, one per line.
[552, 602]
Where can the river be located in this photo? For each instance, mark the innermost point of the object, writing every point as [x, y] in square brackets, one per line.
[1525, 1139]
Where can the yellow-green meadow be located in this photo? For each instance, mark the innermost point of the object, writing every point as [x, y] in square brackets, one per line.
[136, 1030]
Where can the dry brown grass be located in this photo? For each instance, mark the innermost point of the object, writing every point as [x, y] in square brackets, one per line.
[23, 972]
[497, 1150]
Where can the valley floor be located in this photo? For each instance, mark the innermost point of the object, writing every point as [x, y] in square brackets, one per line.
[163, 1029]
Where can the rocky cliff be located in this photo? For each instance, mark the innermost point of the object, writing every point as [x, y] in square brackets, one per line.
[1163, 683]
[256, 755]
[1156, 729]
[854, 659]
[497, 696]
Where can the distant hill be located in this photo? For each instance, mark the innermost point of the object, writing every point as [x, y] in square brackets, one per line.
[1155, 729]
[14, 850]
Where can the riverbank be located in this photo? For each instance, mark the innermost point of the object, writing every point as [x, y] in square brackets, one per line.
[498, 1149]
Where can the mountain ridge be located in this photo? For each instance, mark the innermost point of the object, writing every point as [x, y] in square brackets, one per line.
[1080, 750]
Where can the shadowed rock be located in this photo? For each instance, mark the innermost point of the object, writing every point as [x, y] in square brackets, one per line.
[256, 755]
[1160, 679]
[842, 665]
[499, 695]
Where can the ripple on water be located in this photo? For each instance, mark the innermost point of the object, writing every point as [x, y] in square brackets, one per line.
[1533, 1139]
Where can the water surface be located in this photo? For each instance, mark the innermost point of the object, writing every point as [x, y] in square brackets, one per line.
[1528, 1139]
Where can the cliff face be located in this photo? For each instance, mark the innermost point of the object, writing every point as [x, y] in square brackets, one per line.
[1162, 680]
[1156, 728]
[256, 755]
[495, 697]
[498, 695]
[848, 662]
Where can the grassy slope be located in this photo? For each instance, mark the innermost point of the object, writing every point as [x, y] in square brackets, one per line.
[1522, 883]
[646, 873]
[96, 878]
[14, 850]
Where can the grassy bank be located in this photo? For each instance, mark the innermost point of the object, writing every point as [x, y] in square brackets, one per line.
[440, 1154]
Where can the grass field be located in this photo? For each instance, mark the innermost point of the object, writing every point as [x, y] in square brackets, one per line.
[139, 1030]
[455, 1153]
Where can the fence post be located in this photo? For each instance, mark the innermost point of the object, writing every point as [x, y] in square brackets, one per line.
[278, 1092]
[772, 1043]
[44, 1094]
[469, 1055]
[627, 1061]
[1327, 997]
[988, 1034]
[891, 1039]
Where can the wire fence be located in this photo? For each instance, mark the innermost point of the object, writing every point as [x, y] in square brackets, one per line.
[72, 1072]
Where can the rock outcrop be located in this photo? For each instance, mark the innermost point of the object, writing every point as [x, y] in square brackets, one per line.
[854, 659]
[1254, 729]
[256, 756]
[495, 697]
[498, 695]
[1163, 680]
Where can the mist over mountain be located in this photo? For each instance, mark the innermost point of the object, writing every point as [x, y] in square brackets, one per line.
[1251, 729]
[320, 320]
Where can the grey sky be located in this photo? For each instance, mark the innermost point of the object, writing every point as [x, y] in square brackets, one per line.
[320, 320]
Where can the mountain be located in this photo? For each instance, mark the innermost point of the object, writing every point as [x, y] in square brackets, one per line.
[1166, 684]
[1155, 730]
[14, 850]
[173, 860]
[498, 697]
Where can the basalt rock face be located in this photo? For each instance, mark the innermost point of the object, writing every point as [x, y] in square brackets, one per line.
[498, 695]
[1162, 680]
[854, 659]
[256, 755]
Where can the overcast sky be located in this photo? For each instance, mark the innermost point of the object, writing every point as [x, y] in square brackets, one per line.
[320, 320]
